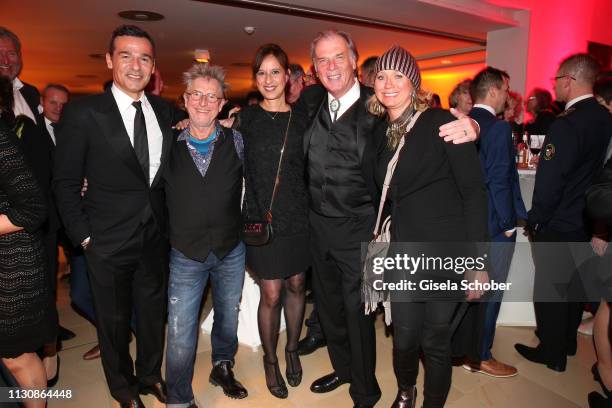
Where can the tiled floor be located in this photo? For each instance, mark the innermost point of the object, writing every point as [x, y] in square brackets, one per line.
[535, 386]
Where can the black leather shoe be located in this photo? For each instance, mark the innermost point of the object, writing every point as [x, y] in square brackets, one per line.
[65, 334]
[223, 376]
[362, 406]
[327, 383]
[405, 398]
[535, 355]
[158, 390]
[596, 400]
[134, 403]
[309, 344]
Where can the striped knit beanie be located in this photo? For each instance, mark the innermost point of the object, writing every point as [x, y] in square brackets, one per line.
[398, 59]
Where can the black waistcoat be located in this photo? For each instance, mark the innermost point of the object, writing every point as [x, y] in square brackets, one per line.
[204, 212]
[337, 187]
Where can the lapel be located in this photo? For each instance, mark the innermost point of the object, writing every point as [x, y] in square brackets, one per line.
[111, 124]
[165, 124]
[318, 105]
[364, 121]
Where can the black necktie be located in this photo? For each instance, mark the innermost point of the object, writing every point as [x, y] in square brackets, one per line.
[141, 143]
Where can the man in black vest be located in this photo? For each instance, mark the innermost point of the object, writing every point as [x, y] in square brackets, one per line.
[203, 183]
[120, 141]
[341, 158]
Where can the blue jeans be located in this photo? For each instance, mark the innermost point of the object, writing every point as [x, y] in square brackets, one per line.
[501, 251]
[185, 289]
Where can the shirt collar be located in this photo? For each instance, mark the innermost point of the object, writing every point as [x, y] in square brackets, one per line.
[48, 122]
[125, 101]
[17, 84]
[348, 98]
[184, 135]
[576, 100]
[485, 107]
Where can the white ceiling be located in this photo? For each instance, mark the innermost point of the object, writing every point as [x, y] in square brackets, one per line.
[58, 36]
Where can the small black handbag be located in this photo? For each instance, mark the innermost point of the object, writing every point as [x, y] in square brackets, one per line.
[258, 233]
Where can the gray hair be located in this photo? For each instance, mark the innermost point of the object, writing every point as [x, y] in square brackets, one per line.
[296, 71]
[205, 70]
[334, 33]
[6, 33]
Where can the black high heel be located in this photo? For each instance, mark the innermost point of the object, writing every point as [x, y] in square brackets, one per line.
[597, 377]
[51, 383]
[279, 390]
[294, 376]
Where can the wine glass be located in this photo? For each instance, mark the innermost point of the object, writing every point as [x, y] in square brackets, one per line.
[535, 145]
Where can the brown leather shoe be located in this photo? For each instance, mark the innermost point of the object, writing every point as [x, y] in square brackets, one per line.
[492, 368]
[93, 353]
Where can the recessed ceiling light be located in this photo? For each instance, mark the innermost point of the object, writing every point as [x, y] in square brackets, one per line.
[140, 15]
[446, 61]
[201, 55]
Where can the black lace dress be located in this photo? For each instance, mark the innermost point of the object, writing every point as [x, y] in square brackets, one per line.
[25, 299]
[263, 134]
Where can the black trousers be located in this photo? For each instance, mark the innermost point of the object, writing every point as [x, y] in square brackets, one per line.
[556, 283]
[134, 276]
[351, 339]
[423, 326]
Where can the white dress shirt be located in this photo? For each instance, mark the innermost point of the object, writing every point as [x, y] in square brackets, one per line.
[154, 133]
[485, 107]
[576, 100]
[50, 129]
[21, 106]
[346, 101]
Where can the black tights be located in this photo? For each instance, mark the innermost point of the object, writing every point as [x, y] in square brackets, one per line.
[268, 313]
[426, 326]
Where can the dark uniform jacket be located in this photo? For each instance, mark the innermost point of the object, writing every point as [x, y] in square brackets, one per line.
[572, 155]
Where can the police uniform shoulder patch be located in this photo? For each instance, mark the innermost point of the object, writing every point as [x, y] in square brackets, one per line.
[566, 112]
[549, 151]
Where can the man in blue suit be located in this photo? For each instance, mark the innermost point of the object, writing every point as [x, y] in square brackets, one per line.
[489, 90]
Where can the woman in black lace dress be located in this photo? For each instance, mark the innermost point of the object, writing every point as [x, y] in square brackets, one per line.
[280, 265]
[24, 293]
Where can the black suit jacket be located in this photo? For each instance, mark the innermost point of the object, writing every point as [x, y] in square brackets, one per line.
[32, 97]
[92, 142]
[314, 98]
[437, 191]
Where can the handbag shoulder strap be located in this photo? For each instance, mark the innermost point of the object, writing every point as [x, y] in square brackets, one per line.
[278, 170]
[390, 169]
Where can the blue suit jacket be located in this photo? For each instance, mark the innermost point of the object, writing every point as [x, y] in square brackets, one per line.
[497, 157]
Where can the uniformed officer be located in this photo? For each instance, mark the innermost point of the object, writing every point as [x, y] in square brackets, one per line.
[573, 153]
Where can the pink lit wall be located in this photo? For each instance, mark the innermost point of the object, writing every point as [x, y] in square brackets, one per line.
[558, 29]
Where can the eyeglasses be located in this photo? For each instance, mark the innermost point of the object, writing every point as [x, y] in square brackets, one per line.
[562, 76]
[196, 96]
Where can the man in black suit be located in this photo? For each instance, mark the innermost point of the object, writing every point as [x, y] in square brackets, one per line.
[573, 153]
[119, 141]
[52, 100]
[341, 156]
[489, 91]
